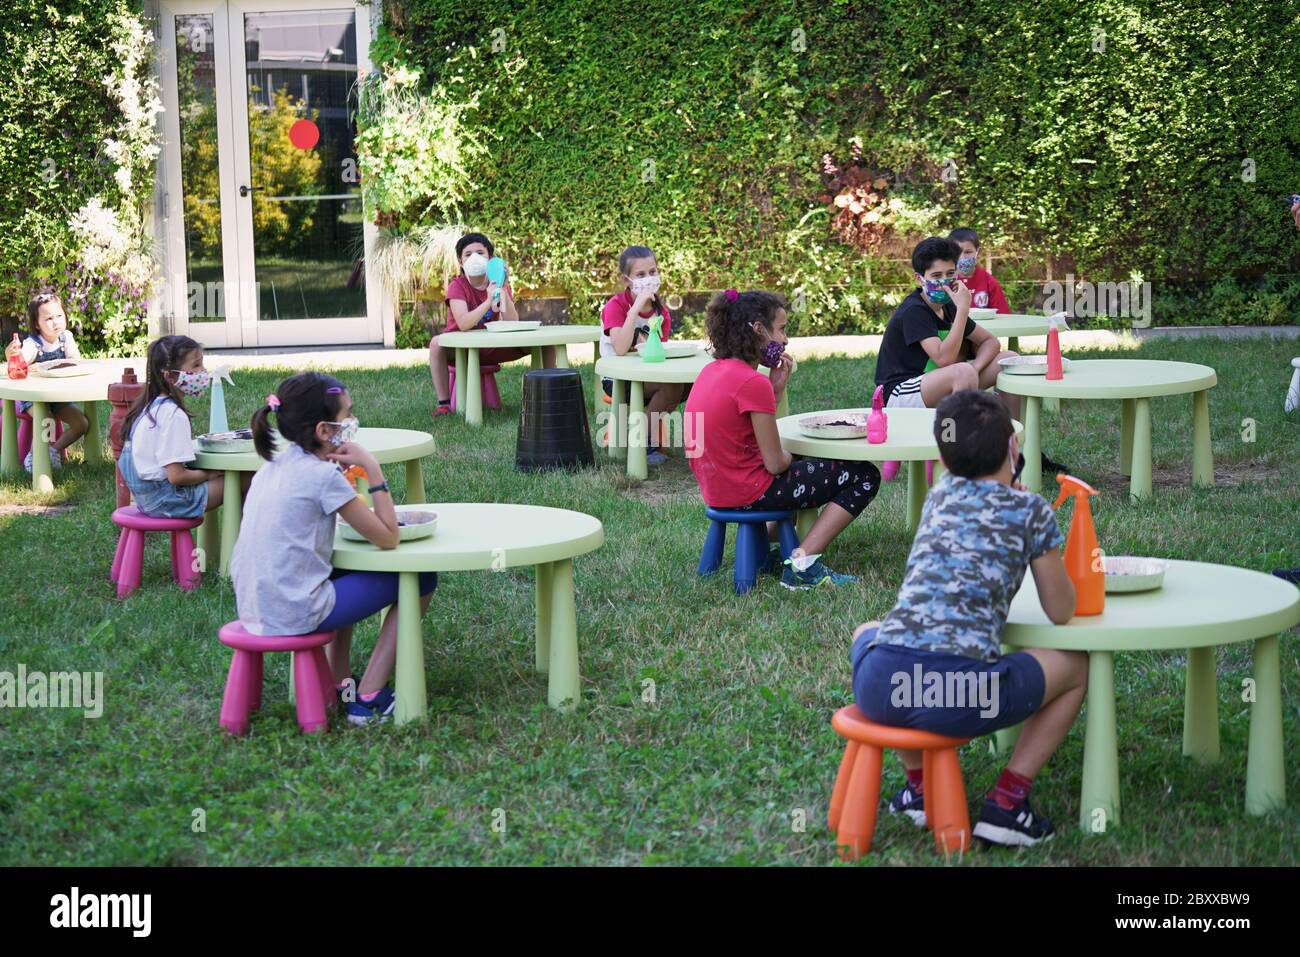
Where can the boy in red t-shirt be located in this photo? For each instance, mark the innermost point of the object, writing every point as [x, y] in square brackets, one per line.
[470, 305]
[985, 291]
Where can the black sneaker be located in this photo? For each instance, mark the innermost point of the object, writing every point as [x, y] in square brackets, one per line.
[1291, 575]
[911, 802]
[1052, 468]
[1019, 826]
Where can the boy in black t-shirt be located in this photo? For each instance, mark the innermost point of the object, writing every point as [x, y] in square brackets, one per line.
[933, 322]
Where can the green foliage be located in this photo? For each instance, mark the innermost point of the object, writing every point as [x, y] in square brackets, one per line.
[698, 127]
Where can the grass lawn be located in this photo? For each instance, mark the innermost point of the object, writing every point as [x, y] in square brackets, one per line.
[715, 770]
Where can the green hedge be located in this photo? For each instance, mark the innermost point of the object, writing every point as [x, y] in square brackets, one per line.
[1127, 159]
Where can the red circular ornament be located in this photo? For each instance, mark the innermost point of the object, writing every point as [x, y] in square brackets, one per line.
[304, 134]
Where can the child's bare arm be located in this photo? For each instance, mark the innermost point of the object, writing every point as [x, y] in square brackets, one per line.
[623, 336]
[462, 317]
[1055, 589]
[775, 459]
[181, 476]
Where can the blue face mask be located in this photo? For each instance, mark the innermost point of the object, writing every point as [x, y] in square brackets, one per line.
[936, 290]
[966, 265]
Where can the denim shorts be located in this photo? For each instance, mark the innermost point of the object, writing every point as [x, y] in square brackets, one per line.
[159, 498]
[944, 693]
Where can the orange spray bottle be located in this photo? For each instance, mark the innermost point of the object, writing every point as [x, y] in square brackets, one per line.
[1083, 556]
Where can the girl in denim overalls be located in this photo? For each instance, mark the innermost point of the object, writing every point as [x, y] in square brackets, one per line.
[50, 340]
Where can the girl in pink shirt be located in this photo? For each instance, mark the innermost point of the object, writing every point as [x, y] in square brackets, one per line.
[735, 450]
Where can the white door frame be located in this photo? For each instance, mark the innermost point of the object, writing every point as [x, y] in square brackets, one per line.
[242, 326]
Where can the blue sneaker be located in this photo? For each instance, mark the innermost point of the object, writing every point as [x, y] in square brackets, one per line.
[377, 711]
[655, 457]
[1021, 826]
[909, 802]
[815, 575]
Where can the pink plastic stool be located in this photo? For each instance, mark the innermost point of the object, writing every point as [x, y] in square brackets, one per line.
[312, 684]
[25, 434]
[488, 376]
[128, 563]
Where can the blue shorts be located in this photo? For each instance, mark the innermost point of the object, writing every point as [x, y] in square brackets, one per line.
[358, 595]
[943, 693]
[159, 497]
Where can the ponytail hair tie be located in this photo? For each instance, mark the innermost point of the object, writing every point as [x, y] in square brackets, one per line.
[731, 295]
[273, 401]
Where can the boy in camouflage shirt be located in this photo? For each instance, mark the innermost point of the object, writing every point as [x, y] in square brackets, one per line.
[934, 662]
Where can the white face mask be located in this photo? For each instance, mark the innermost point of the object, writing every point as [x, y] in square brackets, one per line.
[476, 265]
[645, 284]
[347, 431]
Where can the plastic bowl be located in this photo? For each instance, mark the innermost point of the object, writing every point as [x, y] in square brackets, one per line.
[674, 350]
[423, 523]
[1130, 573]
[833, 426]
[1029, 365]
[240, 440]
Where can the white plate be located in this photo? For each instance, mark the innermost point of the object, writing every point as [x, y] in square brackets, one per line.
[820, 427]
[983, 313]
[675, 350]
[520, 325]
[405, 532]
[47, 369]
[1130, 573]
[1029, 365]
[240, 440]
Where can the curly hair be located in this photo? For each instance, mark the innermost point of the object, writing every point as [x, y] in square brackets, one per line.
[728, 322]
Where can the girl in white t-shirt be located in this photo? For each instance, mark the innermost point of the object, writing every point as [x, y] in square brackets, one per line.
[158, 455]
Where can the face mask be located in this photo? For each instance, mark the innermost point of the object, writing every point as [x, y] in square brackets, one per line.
[646, 284]
[936, 290]
[772, 353]
[193, 383]
[347, 431]
[966, 265]
[476, 265]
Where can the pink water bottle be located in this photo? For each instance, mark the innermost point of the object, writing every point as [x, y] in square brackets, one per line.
[877, 421]
[1054, 370]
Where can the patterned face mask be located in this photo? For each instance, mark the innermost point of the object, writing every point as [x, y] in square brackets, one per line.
[347, 431]
[193, 383]
[645, 284]
[772, 353]
[936, 290]
[966, 265]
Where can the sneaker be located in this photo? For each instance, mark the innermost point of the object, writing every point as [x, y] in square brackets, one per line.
[815, 575]
[1291, 575]
[1019, 826]
[377, 711]
[441, 410]
[1052, 468]
[655, 457]
[911, 802]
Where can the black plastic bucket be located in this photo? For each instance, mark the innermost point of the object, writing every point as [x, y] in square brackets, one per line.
[553, 430]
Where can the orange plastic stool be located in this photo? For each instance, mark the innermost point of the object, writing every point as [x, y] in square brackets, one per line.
[856, 797]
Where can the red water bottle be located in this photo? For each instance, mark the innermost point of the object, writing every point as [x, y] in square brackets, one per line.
[17, 364]
[1054, 370]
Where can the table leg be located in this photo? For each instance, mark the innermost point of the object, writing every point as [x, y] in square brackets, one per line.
[42, 471]
[542, 617]
[804, 521]
[783, 405]
[1127, 413]
[412, 697]
[94, 443]
[536, 358]
[232, 510]
[460, 380]
[616, 431]
[210, 538]
[1099, 797]
[1265, 762]
[1013, 343]
[1032, 476]
[1202, 454]
[1201, 707]
[1139, 485]
[1051, 404]
[473, 389]
[564, 688]
[10, 467]
[916, 490]
[562, 357]
[636, 433]
[414, 483]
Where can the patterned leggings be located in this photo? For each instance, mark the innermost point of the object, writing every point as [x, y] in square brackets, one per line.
[813, 482]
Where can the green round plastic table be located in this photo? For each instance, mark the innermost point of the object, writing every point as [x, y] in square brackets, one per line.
[479, 537]
[90, 389]
[386, 445]
[627, 428]
[469, 385]
[1199, 607]
[1012, 327]
[1134, 382]
[910, 440]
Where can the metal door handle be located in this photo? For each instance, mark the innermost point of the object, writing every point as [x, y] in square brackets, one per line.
[245, 190]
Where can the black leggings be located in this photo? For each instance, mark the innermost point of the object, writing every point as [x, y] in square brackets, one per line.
[810, 483]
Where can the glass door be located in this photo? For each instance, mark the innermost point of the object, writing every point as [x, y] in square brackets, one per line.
[298, 204]
[265, 237]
